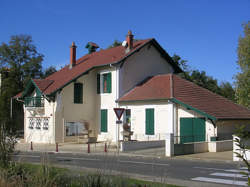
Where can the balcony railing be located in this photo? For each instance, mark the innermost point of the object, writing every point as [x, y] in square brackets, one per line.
[34, 102]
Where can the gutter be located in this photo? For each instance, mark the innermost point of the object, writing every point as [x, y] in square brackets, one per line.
[194, 109]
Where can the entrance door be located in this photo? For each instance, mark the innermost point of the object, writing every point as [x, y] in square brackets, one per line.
[192, 130]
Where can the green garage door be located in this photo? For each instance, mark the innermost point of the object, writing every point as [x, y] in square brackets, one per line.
[192, 130]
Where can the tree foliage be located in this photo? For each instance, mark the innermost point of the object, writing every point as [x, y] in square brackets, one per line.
[19, 61]
[114, 44]
[243, 77]
[242, 141]
[48, 71]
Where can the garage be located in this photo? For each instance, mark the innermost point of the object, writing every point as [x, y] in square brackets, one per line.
[192, 130]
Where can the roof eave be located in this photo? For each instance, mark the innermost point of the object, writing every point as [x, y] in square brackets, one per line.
[194, 109]
[27, 88]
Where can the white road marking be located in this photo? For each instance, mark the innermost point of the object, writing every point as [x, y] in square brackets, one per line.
[244, 168]
[71, 158]
[221, 181]
[209, 168]
[234, 175]
[236, 170]
[146, 163]
[32, 156]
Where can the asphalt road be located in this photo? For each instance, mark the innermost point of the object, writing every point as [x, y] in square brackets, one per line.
[177, 171]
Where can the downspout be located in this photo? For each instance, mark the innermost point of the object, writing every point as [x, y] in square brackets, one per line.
[53, 122]
[173, 108]
[117, 93]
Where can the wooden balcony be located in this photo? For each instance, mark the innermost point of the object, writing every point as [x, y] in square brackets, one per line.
[34, 102]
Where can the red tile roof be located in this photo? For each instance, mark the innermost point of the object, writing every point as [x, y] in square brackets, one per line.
[159, 87]
[43, 84]
[156, 87]
[64, 76]
[87, 62]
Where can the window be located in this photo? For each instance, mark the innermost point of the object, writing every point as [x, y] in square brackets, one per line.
[31, 123]
[127, 120]
[150, 121]
[74, 128]
[127, 116]
[104, 83]
[78, 90]
[38, 123]
[46, 123]
[104, 120]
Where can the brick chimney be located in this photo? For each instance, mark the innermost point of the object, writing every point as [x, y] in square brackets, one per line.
[72, 55]
[129, 39]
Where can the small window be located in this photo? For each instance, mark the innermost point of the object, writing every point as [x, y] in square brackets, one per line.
[38, 123]
[45, 123]
[104, 83]
[31, 123]
[78, 92]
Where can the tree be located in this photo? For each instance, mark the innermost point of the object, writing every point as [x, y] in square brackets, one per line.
[227, 90]
[182, 63]
[243, 77]
[22, 61]
[202, 79]
[114, 44]
[50, 70]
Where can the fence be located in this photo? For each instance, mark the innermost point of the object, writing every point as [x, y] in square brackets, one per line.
[189, 139]
[34, 102]
[137, 145]
[176, 145]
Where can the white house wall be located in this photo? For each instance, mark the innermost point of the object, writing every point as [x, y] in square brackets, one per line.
[39, 135]
[184, 113]
[147, 62]
[107, 101]
[162, 115]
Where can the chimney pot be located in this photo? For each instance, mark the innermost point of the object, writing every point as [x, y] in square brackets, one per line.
[129, 39]
[72, 55]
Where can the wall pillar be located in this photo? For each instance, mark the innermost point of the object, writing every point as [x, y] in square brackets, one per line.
[169, 145]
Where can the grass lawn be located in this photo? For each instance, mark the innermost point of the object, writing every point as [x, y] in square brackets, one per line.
[26, 174]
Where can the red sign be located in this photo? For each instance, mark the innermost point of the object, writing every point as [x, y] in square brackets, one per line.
[119, 112]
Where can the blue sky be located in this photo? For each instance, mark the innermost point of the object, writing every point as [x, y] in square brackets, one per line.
[204, 32]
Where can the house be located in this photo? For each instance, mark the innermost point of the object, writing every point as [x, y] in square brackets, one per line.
[76, 103]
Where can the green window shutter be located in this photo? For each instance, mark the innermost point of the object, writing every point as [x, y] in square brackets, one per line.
[104, 120]
[199, 129]
[186, 130]
[98, 83]
[150, 121]
[109, 83]
[78, 92]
